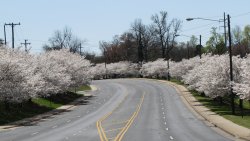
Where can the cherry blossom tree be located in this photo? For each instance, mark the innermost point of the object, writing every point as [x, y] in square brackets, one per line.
[242, 87]
[212, 75]
[24, 76]
[155, 69]
[115, 70]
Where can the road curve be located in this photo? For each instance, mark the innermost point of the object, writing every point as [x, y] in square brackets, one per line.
[122, 109]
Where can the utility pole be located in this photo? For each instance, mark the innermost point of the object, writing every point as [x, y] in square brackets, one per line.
[200, 47]
[80, 49]
[12, 27]
[231, 66]
[25, 44]
[105, 57]
[5, 42]
[225, 30]
[188, 50]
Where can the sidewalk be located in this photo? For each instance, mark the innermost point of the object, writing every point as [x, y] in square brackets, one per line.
[226, 125]
[38, 118]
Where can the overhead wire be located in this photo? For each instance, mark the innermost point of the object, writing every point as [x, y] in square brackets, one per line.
[240, 15]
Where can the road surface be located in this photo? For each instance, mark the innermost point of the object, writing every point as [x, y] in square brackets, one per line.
[121, 109]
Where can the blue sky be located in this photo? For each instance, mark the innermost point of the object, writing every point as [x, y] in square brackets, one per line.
[97, 20]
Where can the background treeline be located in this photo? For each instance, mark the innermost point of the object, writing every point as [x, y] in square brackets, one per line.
[142, 43]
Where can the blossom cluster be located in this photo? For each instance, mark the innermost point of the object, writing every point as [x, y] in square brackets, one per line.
[209, 75]
[24, 76]
[114, 70]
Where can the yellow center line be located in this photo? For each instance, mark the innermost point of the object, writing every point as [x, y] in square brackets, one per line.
[99, 127]
[131, 120]
[120, 135]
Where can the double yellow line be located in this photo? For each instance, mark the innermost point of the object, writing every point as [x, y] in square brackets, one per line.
[131, 120]
[101, 132]
[120, 135]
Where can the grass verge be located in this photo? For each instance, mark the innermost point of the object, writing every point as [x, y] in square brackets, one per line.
[37, 106]
[81, 88]
[223, 109]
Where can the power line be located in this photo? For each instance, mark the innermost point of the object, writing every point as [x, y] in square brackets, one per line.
[240, 15]
[206, 25]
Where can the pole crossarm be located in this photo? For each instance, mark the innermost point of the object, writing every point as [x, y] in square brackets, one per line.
[25, 44]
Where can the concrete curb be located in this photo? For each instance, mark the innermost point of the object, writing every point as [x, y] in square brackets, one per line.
[228, 126]
[31, 120]
[93, 87]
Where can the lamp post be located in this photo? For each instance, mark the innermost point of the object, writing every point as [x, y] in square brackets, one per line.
[220, 20]
[105, 63]
[190, 19]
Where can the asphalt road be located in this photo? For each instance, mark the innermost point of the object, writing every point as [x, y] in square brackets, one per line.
[121, 109]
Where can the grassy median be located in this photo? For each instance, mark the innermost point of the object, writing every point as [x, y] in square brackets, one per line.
[242, 117]
[37, 106]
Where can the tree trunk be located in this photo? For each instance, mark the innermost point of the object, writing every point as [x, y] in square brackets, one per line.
[220, 100]
[241, 107]
[7, 105]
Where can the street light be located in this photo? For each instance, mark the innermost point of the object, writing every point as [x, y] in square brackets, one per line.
[190, 19]
[105, 64]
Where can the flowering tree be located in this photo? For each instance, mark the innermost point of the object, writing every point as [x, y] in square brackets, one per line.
[155, 69]
[113, 70]
[23, 76]
[242, 87]
[13, 76]
[98, 71]
[212, 75]
[179, 69]
[60, 70]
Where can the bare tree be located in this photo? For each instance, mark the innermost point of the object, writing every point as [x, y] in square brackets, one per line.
[237, 35]
[64, 39]
[166, 32]
[128, 40]
[139, 30]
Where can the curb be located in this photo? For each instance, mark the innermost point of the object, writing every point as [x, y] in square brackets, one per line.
[93, 88]
[239, 132]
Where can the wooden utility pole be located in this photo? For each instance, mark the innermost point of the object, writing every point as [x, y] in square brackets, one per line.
[188, 53]
[231, 66]
[80, 46]
[5, 42]
[12, 27]
[225, 30]
[200, 47]
[25, 44]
